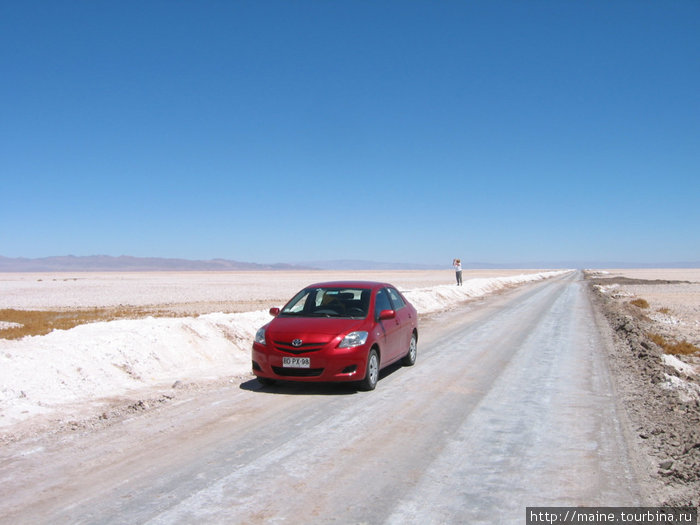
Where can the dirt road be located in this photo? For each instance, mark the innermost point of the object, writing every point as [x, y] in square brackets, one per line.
[510, 405]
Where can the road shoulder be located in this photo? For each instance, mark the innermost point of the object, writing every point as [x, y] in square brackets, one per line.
[664, 424]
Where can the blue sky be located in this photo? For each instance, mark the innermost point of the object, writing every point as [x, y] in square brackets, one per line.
[407, 131]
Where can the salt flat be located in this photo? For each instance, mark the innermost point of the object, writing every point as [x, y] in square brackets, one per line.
[675, 307]
[198, 292]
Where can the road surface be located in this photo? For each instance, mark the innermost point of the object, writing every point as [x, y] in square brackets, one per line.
[509, 405]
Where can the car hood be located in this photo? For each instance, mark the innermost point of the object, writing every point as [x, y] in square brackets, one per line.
[320, 329]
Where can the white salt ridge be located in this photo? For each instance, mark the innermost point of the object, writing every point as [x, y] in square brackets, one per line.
[687, 392]
[41, 373]
[681, 366]
[665, 319]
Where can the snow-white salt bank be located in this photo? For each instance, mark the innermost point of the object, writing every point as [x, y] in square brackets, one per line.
[39, 374]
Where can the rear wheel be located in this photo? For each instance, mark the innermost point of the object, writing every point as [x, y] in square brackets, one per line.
[410, 358]
[372, 373]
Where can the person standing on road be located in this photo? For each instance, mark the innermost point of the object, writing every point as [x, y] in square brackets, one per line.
[457, 263]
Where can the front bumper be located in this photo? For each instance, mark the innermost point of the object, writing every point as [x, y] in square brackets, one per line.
[326, 365]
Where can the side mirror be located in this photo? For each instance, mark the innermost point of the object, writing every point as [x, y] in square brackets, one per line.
[387, 314]
[274, 312]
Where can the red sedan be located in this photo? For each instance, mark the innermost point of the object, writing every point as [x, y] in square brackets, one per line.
[337, 331]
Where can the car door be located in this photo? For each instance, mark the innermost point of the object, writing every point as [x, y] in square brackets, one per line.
[405, 320]
[391, 328]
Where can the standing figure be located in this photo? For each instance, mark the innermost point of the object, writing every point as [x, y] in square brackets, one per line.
[458, 270]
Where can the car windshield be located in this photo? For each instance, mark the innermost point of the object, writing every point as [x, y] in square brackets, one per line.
[329, 302]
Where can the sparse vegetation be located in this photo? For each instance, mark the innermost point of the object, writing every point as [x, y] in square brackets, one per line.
[665, 311]
[41, 322]
[681, 348]
[640, 303]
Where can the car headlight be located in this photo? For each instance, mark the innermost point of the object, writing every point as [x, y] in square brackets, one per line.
[353, 339]
[260, 336]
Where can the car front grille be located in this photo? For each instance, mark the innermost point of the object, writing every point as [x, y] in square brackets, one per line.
[304, 348]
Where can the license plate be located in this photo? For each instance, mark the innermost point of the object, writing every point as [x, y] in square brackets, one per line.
[296, 362]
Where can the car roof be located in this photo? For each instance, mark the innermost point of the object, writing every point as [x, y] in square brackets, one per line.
[350, 284]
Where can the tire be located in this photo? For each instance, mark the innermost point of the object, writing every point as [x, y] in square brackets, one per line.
[410, 357]
[266, 381]
[372, 372]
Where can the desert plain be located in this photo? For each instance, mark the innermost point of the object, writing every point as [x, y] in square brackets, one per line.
[193, 292]
[673, 295]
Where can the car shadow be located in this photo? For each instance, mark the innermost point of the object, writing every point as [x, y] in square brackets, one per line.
[299, 388]
[295, 388]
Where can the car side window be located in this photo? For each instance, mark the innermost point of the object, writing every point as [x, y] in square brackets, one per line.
[382, 302]
[396, 299]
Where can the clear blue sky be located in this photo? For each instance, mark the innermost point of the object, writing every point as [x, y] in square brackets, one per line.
[412, 131]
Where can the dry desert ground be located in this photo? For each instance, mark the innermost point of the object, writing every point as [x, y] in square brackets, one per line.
[191, 293]
[673, 295]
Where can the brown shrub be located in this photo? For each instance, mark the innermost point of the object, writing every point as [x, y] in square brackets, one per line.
[641, 303]
[681, 348]
[41, 322]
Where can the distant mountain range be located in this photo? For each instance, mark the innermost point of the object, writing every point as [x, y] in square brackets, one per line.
[353, 264]
[125, 263]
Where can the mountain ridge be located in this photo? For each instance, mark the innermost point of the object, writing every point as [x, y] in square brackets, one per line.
[126, 263]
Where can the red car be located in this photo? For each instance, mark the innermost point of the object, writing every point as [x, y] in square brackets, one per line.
[337, 331]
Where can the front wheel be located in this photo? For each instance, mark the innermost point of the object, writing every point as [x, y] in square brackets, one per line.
[372, 373]
[410, 357]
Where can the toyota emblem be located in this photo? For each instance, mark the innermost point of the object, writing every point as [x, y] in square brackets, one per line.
[297, 343]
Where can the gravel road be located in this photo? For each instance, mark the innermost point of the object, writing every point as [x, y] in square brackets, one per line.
[510, 404]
